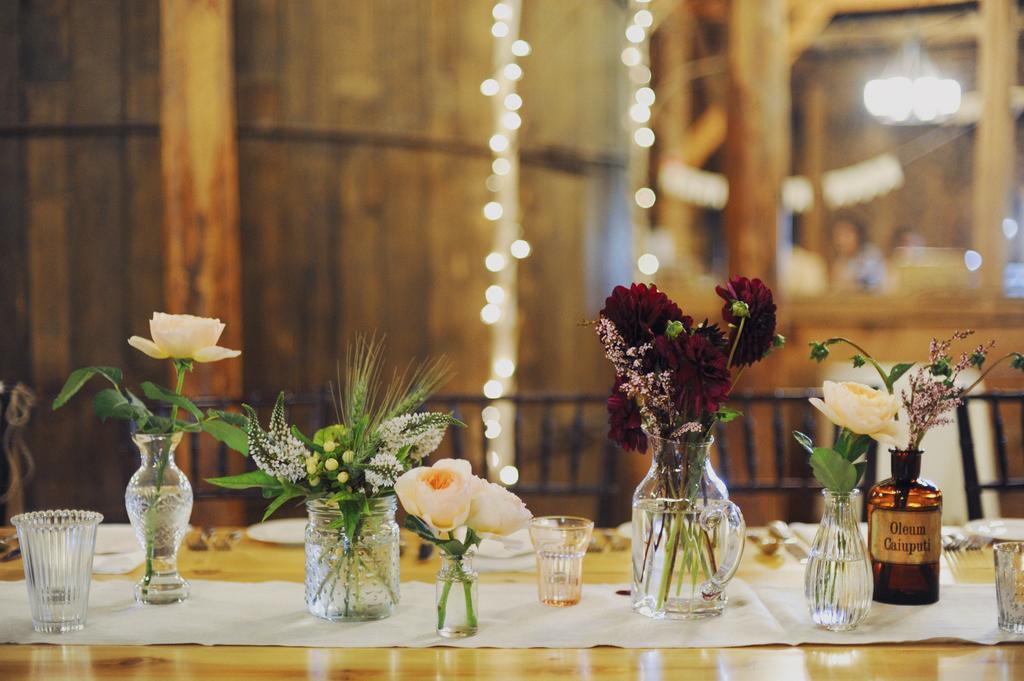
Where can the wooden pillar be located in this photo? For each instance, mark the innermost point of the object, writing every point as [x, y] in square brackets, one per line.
[200, 176]
[199, 160]
[994, 145]
[671, 51]
[813, 232]
[757, 139]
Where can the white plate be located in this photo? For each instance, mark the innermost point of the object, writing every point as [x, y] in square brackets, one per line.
[288, 531]
[516, 544]
[116, 538]
[1003, 529]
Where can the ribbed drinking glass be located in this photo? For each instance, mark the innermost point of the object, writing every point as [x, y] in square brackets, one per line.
[1009, 559]
[57, 549]
[560, 542]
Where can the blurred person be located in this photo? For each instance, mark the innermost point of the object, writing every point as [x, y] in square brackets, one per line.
[905, 250]
[906, 236]
[858, 265]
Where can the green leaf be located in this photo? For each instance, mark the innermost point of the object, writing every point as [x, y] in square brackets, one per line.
[804, 440]
[228, 417]
[306, 441]
[897, 372]
[833, 471]
[351, 514]
[232, 436]
[247, 480]
[421, 529]
[79, 377]
[727, 414]
[110, 403]
[156, 392]
[279, 502]
[856, 447]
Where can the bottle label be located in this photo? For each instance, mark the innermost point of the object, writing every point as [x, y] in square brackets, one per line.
[906, 537]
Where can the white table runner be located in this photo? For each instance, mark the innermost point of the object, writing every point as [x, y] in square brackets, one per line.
[273, 614]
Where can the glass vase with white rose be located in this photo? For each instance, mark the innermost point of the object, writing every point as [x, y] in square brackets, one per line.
[159, 497]
[673, 377]
[453, 509]
[837, 580]
[346, 474]
[905, 510]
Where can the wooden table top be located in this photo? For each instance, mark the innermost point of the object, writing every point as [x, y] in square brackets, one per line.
[252, 561]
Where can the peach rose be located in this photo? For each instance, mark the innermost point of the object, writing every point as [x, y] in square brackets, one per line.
[496, 511]
[440, 495]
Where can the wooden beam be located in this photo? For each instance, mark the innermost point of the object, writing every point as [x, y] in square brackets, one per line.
[994, 148]
[199, 161]
[871, 6]
[706, 135]
[757, 146]
[814, 133]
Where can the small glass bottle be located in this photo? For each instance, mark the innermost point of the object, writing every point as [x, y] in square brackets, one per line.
[456, 595]
[905, 534]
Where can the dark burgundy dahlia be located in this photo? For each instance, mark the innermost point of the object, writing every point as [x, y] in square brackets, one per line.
[625, 425]
[641, 312]
[759, 330]
[700, 378]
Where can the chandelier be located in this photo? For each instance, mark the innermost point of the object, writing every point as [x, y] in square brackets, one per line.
[911, 91]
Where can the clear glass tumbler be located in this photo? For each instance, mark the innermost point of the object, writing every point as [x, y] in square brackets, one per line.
[1009, 559]
[57, 549]
[560, 543]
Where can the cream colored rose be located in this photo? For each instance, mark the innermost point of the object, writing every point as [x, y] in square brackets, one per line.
[496, 511]
[860, 409]
[183, 336]
[440, 495]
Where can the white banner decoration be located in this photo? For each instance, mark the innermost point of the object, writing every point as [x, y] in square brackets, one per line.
[861, 182]
[857, 183]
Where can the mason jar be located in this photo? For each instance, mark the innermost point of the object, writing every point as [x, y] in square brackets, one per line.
[352, 578]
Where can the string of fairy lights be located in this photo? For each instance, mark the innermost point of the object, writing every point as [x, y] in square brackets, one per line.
[500, 309]
[636, 57]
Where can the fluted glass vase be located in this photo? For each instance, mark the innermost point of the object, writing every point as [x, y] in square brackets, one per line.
[356, 577]
[159, 503]
[687, 536]
[838, 581]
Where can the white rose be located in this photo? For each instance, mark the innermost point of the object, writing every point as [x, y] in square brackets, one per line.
[860, 409]
[496, 511]
[183, 336]
[440, 495]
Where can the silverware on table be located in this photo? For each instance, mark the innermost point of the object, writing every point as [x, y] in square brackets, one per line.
[959, 547]
[785, 534]
[765, 543]
[8, 546]
[225, 540]
[11, 555]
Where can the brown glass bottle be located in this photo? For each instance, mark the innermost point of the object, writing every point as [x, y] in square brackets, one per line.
[905, 534]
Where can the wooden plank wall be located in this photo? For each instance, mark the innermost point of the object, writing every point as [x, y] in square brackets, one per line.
[80, 225]
[362, 160]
